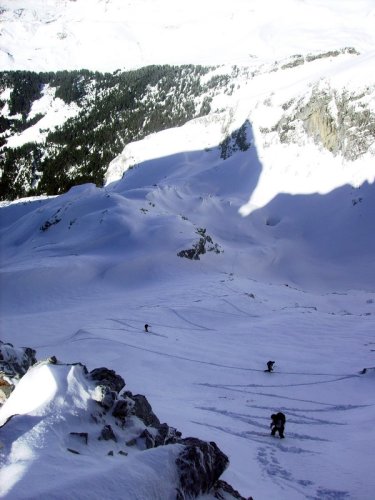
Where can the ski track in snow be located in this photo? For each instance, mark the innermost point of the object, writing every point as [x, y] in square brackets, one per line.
[205, 353]
[76, 337]
[268, 450]
[267, 457]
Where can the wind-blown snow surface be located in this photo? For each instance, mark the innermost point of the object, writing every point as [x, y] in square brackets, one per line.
[111, 34]
[83, 272]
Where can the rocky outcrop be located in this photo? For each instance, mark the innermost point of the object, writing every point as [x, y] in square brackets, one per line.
[237, 141]
[199, 466]
[107, 433]
[340, 122]
[223, 490]
[108, 378]
[5, 389]
[142, 409]
[119, 424]
[14, 363]
[109, 385]
[205, 244]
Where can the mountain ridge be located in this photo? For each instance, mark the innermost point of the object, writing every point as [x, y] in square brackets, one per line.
[299, 106]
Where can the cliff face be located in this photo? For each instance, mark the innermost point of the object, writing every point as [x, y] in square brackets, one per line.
[341, 122]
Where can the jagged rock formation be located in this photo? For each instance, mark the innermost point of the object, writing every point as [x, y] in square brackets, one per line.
[92, 404]
[204, 244]
[14, 363]
[200, 465]
[339, 121]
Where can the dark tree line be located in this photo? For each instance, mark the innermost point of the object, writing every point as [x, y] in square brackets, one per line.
[115, 109]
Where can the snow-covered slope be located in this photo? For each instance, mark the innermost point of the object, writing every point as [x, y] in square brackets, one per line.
[110, 34]
[291, 281]
[271, 194]
[311, 120]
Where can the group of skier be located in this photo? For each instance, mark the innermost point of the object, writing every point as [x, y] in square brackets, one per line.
[277, 419]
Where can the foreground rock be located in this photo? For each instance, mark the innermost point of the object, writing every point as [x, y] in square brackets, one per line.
[76, 415]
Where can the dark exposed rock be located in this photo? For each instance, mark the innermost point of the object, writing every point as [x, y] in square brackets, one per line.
[104, 396]
[14, 362]
[222, 489]
[237, 141]
[166, 435]
[110, 384]
[107, 433]
[48, 223]
[109, 378]
[5, 389]
[142, 409]
[205, 244]
[82, 436]
[121, 409]
[148, 439]
[73, 451]
[199, 465]
[52, 360]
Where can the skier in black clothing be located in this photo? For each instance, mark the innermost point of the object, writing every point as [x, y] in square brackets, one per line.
[270, 366]
[278, 424]
[146, 327]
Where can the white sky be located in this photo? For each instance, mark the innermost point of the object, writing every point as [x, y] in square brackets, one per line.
[106, 35]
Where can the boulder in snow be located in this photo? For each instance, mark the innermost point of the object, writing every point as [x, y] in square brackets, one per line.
[142, 409]
[199, 465]
[109, 378]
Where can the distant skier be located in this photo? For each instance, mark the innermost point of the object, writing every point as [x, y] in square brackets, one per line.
[146, 327]
[270, 366]
[278, 424]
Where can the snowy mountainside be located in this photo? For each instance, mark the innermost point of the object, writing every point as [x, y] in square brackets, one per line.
[236, 163]
[292, 281]
[82, 273]
[305, 111]
[229, 207]
[61, 129]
